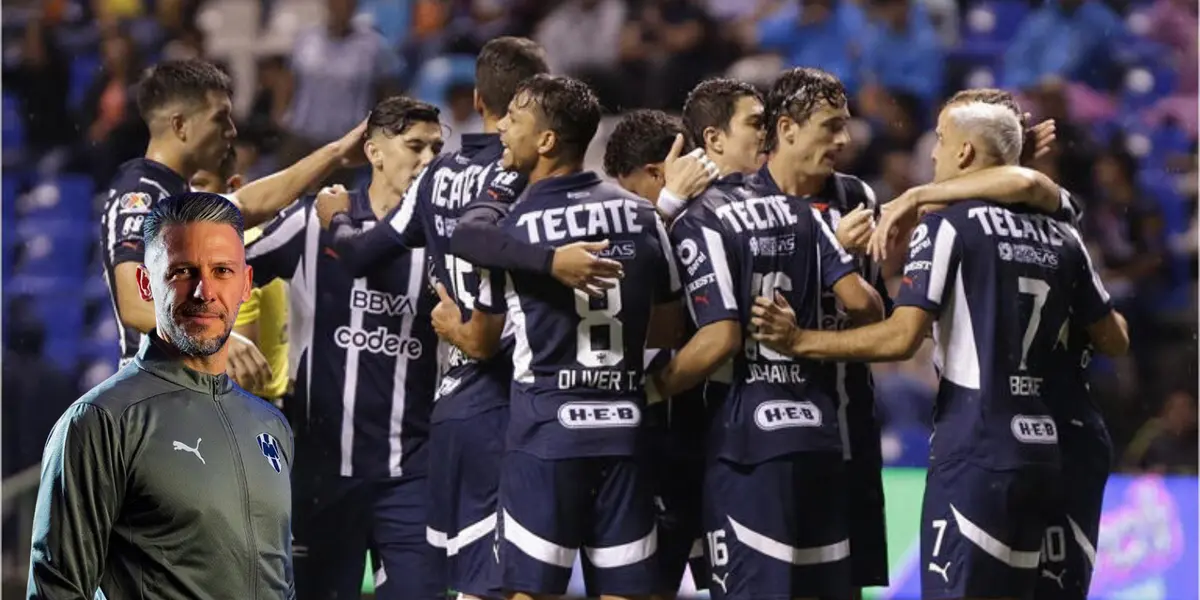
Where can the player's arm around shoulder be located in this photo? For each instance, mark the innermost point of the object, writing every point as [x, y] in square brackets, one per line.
[479, 335]
[1107, 328]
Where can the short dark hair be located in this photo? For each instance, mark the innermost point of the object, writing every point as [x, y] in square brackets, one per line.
[393, 116]
[712, 104]
[989, 96]
[502, 65]
[568, 106]
[187, 81]
[797, 93]
[641, 138]
[192, 207]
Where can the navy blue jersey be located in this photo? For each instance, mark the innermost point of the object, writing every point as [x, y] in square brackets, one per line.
[427, 217]
[852, 382]
[366, 353]
[742, 239]
[138, 184]
[578, 372]
[1002, 283]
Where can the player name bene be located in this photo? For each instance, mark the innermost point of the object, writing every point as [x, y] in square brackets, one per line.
[584, 220]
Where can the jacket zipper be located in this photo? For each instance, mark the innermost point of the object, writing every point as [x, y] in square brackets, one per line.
[244, 490]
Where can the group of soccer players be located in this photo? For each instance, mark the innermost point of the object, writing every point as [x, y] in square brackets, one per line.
[666, 370]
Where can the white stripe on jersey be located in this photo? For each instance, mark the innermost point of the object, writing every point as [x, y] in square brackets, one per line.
[720, 266]
[291, 227]
[522, 353]
[408, 204]
[828, 233]
[304, 322]
[350, 386]
[956, 339]
[943, 247]
[665, 241]
[155, 184]
[1099, 285]
[416, 276]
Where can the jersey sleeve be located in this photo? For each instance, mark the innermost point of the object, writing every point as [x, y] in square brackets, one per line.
[702, 257]
[404, 221]
[1091, 301]
[836, 263]
[1070, 208]
[667, 288]
[933, 259]
[489, 298]
[277, 253]
[127, 209]
[481, 240]
[78, 501]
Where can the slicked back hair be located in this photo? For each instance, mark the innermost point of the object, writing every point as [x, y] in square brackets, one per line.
[568, 107]
[641, 138]
[712, 104]
[797, 93]
[188, 81]
[989, 96]
[502, 65]
[184, 209]
[394, 115]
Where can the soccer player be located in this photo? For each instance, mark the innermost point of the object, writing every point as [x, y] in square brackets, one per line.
[572, 476]
[365, 379]
[1000, 284]
[259, 361]
[774, 508]
[187, 107]
[634, 157]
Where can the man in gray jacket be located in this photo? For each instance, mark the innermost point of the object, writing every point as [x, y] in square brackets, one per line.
[168, 481]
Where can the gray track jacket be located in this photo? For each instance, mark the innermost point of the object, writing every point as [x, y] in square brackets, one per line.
[165, 483]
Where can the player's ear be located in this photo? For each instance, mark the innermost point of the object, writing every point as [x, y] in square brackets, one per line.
[373, 153]
[179, 125]
[235, 181]
[966, 155]
[785, 130]
[547, 142]
[143, 281]
[476, 101]
[713, 140]
[655, 171]
[249, 284]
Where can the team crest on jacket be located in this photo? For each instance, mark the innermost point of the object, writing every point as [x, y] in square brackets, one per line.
[270, 449]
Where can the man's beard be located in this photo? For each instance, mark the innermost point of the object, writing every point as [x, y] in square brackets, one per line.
[190, 345]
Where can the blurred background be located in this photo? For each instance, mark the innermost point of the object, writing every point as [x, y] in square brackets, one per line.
[1119, 76]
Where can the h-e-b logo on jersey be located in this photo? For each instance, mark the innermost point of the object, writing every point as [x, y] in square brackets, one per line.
[270, 449]
[599, 415]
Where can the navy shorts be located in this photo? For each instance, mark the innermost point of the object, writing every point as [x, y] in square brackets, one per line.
[1069, 548]
[552, 508]
[982, 530]
[336, 520]
[679, 483]
[778, 529]
[463, 492]
[868, 523]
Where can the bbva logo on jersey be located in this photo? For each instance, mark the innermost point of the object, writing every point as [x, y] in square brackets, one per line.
[599, 415]
[778, 414]
[270, 449]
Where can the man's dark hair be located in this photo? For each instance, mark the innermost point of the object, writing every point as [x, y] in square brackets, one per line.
[393, 116]
[192, 207]
[641, 138]
[797, 93]
[187, 81]
[712, 104]
[568, 107]
[502, 65]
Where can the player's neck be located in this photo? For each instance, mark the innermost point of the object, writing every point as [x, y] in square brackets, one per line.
[490, 124]
[725, 165]
[546, 169]
[382, 196]
[792, 181]
[171, 158]
[213, 364]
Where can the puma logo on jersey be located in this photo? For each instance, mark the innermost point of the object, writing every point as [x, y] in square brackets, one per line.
[196, 450]
[721, 581]
[1055, 578]
[941, 570]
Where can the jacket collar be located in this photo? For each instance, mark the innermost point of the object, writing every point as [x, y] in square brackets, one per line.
[154, 359]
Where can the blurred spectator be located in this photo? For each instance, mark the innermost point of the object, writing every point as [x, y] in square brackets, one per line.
[1127, 228]
[117, 10]
[391, 18]
[40, 80]
[670, 45]
[338, 73]
[459, 115]
[1070, 164]
[1167, 442]
[1068, 39]
[895, 125]
[895, 173]
[268, 110]
[821, 33]
[582, 38]
[114, 132]
[1174, 23]
[901, 52]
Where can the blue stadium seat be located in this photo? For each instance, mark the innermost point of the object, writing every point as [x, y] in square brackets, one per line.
[67, 197]
[994, 21]
[53, 247]
[13, 125]
[84, 69]
[1147, 82]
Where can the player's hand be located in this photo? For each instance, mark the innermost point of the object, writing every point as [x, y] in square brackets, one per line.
[773, 322]
[687, 176]
[350, 147]
[446, 316]
[895, 218]
[246, 364]
[854, 230]
[1039, 141]
[577, 266]
[331, 201]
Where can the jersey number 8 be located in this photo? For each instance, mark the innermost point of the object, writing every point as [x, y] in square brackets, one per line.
[599, 324]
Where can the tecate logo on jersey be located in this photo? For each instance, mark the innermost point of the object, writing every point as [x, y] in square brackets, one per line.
[778, 414]
[1034, 429]
[379, 341]
[599, 415]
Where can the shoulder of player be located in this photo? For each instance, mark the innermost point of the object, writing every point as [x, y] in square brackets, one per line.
[127, 388]
[258, 406]
[852, 192]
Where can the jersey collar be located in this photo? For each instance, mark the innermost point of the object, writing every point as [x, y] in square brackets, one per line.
[563, 183]
[153, 359]
[764, 175]
[360, 203]
[476, 142]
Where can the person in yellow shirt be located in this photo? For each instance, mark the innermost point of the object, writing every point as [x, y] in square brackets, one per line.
[260, 363]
